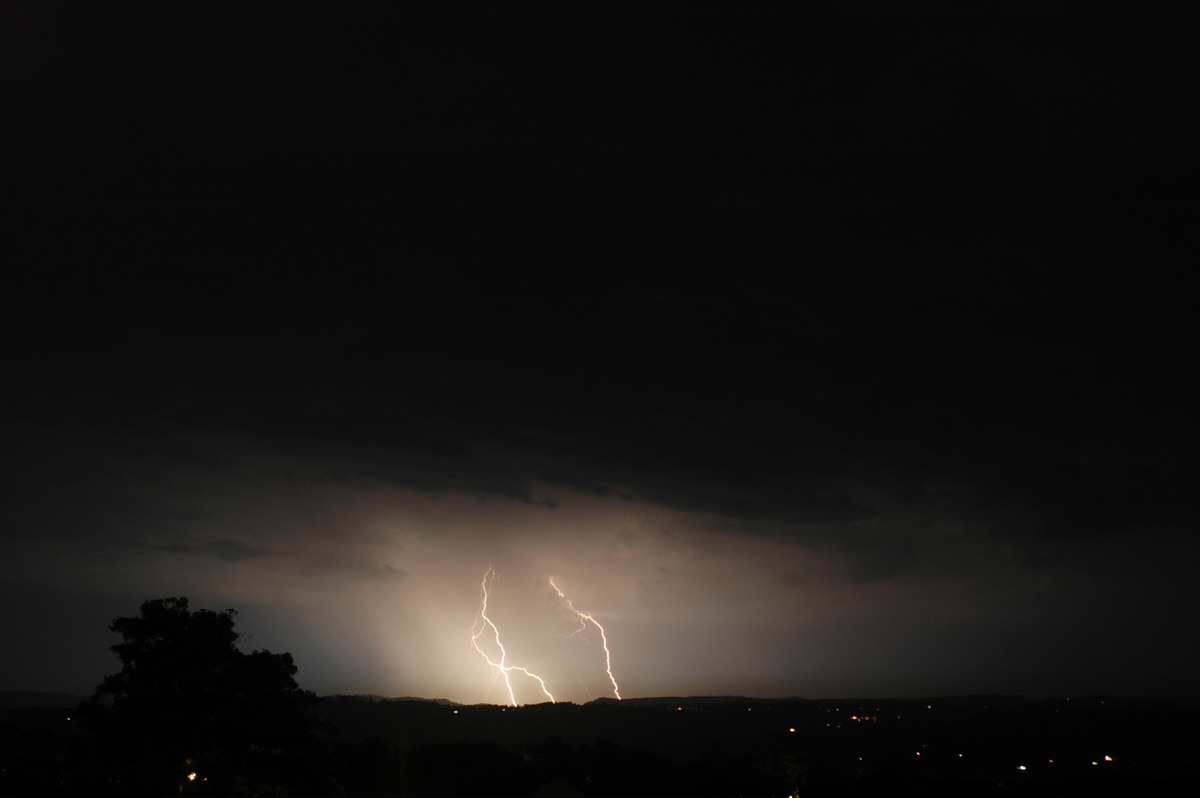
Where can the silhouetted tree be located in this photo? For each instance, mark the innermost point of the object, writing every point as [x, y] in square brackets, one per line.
[190, 713]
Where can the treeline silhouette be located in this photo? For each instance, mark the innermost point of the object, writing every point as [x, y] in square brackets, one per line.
[190, 714]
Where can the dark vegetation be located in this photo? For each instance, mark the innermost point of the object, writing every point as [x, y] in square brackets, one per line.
[187, 709]
[189, 713]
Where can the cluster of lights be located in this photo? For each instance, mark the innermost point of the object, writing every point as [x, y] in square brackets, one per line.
[191, 776]
[1106, 758]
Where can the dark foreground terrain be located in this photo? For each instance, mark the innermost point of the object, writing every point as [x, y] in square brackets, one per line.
[979, 745]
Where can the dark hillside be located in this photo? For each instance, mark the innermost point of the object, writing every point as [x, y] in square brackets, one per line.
[998, 742]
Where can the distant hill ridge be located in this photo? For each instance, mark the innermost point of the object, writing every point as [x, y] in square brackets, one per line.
[374, 697]
[25, 699]
[719, 700]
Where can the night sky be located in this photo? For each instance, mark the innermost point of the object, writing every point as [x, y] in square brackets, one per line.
[836, 355]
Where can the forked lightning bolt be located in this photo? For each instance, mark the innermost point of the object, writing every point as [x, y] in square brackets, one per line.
[584, 620]
[482, 624]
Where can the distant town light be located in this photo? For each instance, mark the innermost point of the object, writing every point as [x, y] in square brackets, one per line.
[192, 776]
[1107, 758]
[1021, 767]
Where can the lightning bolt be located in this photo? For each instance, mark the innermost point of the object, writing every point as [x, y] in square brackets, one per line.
[584, 620]
[483, 623]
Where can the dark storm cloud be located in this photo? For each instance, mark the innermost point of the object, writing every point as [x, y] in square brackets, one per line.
[792, 578]
[334, 566]
[853, 314]
[813, 412]
[225, 549]
[874, 558]
[796, 417]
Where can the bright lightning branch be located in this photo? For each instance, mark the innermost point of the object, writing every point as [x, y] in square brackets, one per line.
[485, 638]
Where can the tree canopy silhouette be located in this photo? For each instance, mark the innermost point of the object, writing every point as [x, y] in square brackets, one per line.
[190, 712]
